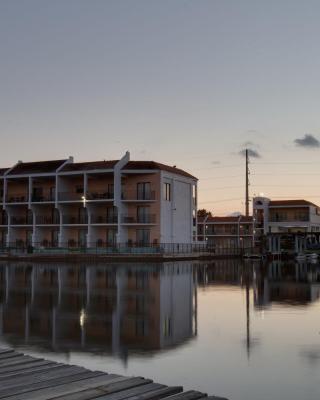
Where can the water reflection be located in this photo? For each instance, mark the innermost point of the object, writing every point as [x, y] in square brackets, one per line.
[223, 319]
[109, 308]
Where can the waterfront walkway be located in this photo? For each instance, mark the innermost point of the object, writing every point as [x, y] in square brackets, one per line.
[24, 378]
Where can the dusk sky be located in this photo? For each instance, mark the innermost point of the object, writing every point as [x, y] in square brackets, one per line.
[188, 83]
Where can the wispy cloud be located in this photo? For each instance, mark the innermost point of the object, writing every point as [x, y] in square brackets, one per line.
[251, 153]
[308, 141]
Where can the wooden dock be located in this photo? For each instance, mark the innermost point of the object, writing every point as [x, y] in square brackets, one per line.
[27, 378]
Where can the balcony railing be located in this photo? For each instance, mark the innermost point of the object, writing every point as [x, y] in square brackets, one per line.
[3, 220]
[139, 219]
[37, 198]
[70, 196]
[136, 195]
[17, 198]
[301, 218]
[21, 221]
[68, 219]
[47, 220]
[99, 196]
[104, 219]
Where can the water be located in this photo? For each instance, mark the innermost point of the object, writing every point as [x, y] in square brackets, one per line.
[243, 331]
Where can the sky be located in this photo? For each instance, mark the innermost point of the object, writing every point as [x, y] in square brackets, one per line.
[183, 82]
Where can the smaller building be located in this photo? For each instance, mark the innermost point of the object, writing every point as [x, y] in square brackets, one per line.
[285, 216]
[226, 232]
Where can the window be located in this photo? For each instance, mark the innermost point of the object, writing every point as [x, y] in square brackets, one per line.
[79, 189]
[167, 191]
[144, 191]
[143, 236]
[143, 215]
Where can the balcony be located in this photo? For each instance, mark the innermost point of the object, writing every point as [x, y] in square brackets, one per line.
[139, 219]
[284, 218]
[21, 221]
[99, 196]
[70, 196]
[74, 220]
[46, 197]
[136, 195]
[47, 220]
[17, 198]
[104, 219]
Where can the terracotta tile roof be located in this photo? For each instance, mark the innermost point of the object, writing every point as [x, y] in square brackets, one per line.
[227, 219]
[157, 166]
[38, 167]
[87, 166]
[290, 203]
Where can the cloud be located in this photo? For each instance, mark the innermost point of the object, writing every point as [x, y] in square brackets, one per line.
[308, 141]
[252, 153]
[216, 162]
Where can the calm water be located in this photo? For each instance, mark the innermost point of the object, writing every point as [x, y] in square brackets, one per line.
[244, 331]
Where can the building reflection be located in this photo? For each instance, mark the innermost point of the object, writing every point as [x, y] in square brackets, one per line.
[292, 284]
[109, 308]
[283, 284]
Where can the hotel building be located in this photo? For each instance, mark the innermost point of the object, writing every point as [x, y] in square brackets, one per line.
[226, 232]
[96, 204]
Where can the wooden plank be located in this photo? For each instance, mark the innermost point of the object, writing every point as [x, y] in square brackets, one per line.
[153, 394]
[26, 360]
[20, 385]
[111, 388]
[67, 388]
[7, 356]
[54, 373]
[44, 366]
[215, 398]
[3, 351]
[21, 368]
[138, 391]
[189, 395]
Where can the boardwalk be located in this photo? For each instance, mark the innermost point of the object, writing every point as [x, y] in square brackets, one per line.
[23, 377]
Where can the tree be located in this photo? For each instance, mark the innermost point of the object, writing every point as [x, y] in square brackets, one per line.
[202, 213]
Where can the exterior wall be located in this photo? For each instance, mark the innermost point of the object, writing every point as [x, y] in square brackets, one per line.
[177, 214]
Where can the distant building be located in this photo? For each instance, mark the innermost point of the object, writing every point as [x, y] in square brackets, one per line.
[285, 216]
[226, 232]
[101, 203]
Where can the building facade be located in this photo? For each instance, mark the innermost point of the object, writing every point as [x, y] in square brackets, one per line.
[226, 232]
[285, 216]
[95, 204]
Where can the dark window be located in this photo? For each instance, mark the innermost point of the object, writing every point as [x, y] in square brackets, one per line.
[144, 191]
[167, 191]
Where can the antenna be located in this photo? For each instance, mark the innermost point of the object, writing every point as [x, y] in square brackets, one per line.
[247, 183]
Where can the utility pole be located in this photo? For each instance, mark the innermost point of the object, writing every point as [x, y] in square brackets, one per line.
[247, 183]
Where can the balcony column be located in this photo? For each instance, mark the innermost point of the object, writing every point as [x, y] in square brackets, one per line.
[296, 244]
[85, 185]
[5, 191]
[122, 231]
[29, 192]
[35, 240]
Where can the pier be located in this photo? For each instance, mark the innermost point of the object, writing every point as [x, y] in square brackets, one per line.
[28, 378]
